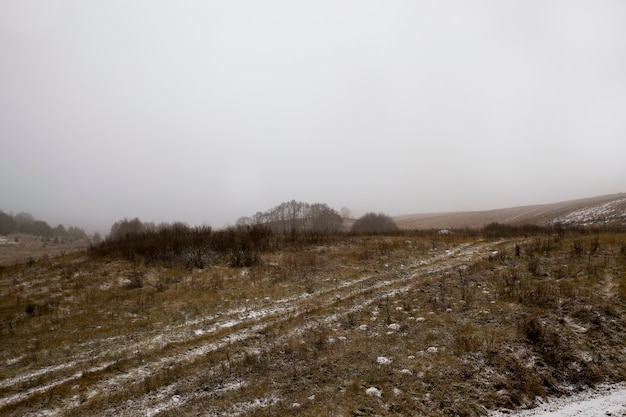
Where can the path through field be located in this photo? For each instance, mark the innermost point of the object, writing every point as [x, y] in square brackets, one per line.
[184, 364]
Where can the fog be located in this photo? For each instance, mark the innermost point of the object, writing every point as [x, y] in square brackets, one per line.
[204, 112]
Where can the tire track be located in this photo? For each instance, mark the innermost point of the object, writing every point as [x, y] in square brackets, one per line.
[162, 401]
[181, 346]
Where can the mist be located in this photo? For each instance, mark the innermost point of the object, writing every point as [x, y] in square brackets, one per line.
[204, 112]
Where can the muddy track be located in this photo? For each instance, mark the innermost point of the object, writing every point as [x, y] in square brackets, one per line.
[194, 344]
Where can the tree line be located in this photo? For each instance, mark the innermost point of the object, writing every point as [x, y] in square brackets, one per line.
[288, 224]
[27, 224]
[124, 227]
[287, 217]
[296, 216]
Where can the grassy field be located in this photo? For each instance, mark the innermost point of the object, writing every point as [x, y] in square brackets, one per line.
[342, 325]
[20, 248]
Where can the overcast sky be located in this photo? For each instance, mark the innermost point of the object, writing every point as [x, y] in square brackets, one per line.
[205, 111]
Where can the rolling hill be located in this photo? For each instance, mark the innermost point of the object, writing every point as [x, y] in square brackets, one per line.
[601, 210]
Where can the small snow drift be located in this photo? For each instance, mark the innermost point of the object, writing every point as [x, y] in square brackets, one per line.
[383, 360]
[373, 392]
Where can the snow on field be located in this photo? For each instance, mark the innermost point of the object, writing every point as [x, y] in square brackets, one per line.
[383, 360]
[237, 324]
[607, 400]
[611, 211]
[373, 392]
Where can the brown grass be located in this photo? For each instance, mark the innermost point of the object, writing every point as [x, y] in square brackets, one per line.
[462, 326]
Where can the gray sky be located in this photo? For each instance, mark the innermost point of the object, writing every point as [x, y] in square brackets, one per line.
[205, 111]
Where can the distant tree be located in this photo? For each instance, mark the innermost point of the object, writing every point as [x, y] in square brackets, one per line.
[162, 226]
[260, 218]
[180, 227]
[287, 216]
[76, 232]
[60, 231]
[243, 221]
[150, 227]
[41, 228]
[125, 227]
[7, 224]
[24, 222]
[96, 238]
[374, 223]
[293, 216]
[324, 219]
[345, 212]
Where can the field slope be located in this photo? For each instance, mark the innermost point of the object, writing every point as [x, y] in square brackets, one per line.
[602, 210]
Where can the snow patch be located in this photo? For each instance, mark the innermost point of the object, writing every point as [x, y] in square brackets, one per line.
[383, 360]
[607, 400]
[373, 392]
[602, 213]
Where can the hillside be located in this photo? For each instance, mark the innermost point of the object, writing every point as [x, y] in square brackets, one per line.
[601, 210]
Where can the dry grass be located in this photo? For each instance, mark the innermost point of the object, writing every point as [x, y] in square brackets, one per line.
[20, 248]
[438, 325]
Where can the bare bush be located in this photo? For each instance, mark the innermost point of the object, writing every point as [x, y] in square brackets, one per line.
[374, 223]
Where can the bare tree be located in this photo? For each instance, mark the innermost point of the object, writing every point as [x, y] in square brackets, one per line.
[96, 239]
[324, 219]
[7, 224]
[24, 222]
[295, 215]
[126, 227]
[244, 221]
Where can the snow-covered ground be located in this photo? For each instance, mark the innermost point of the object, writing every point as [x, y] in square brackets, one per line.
[602, 213]
[607, 400]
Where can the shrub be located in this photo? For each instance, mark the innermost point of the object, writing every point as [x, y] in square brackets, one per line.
[374, 223]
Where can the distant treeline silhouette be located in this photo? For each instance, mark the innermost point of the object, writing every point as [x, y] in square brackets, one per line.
[27, 224]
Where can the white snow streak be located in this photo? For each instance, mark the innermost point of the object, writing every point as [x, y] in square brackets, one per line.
[607, 400]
